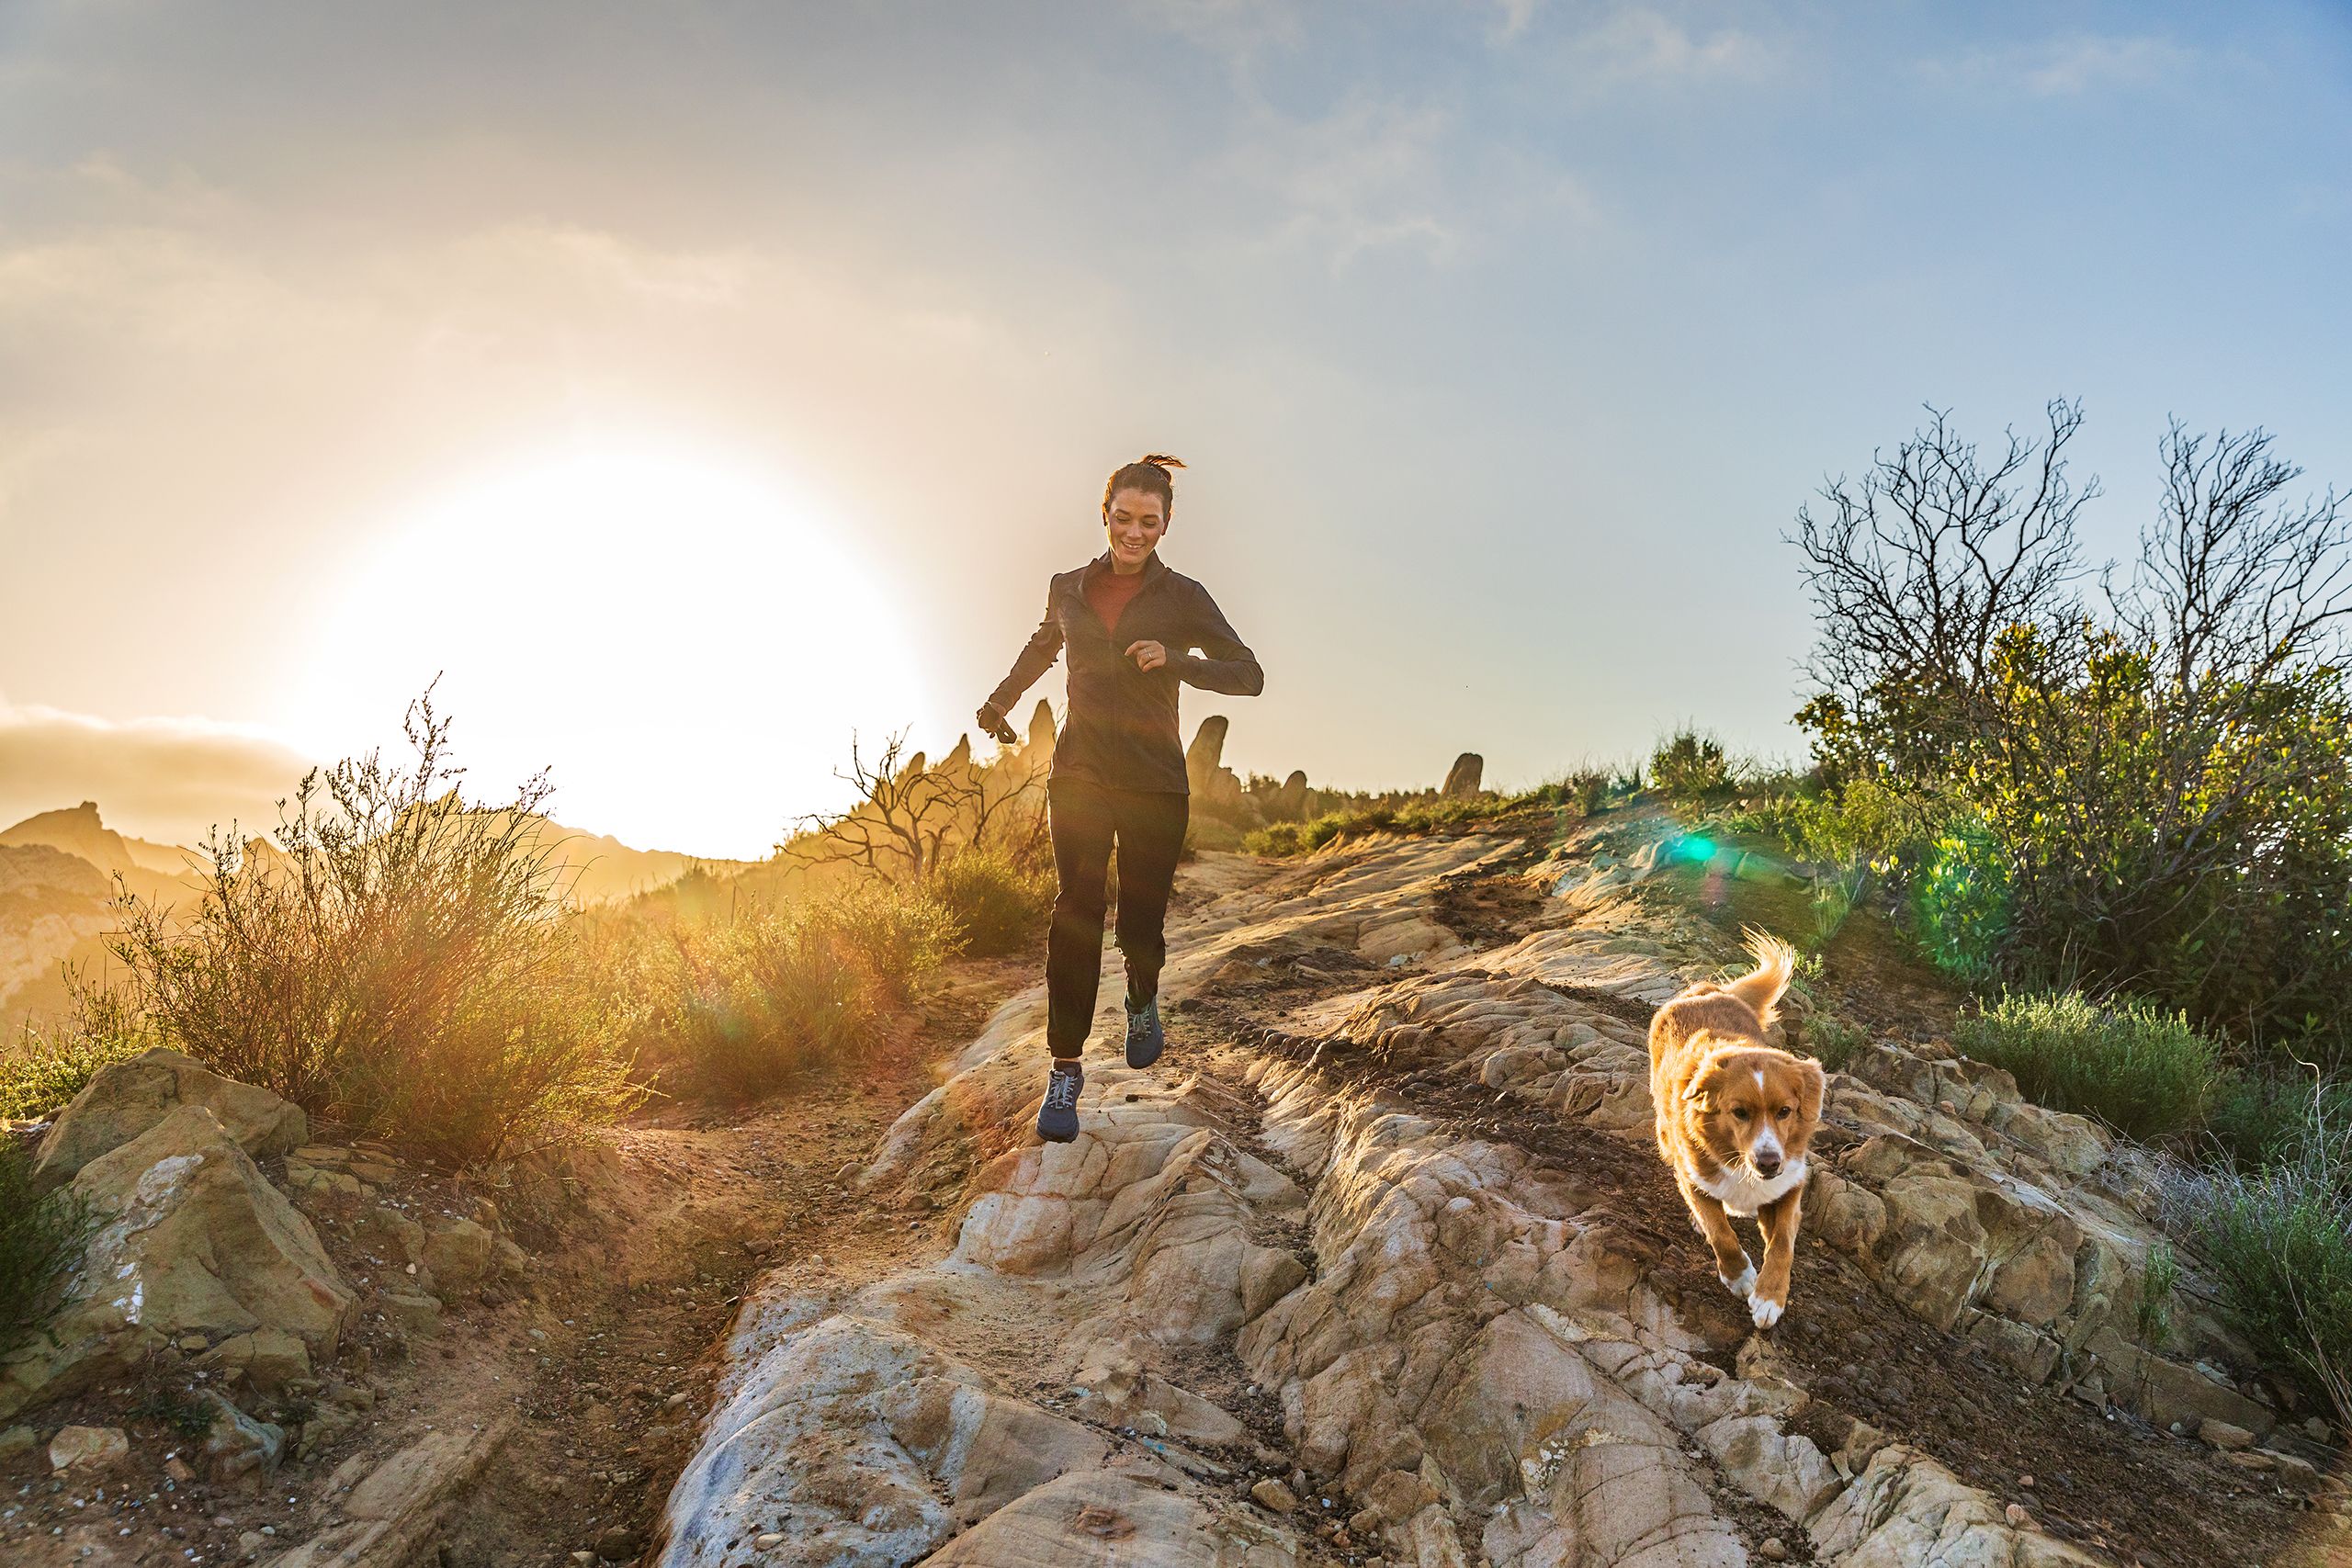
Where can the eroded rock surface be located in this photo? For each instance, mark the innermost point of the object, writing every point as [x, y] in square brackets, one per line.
[125, 1098]
[1380, 1262]
[188, 1238]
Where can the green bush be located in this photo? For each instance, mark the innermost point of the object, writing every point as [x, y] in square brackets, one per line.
[737, 1007]
[1961, 901]
[2142, 1071]
[1690, 767]
[399, 960]
[997, 906]
[1835, 1039]
[2260, 1119]
[2280, 1243]
[1426, 813]
[2156, 783]
[40, 1243]
[49, 1064]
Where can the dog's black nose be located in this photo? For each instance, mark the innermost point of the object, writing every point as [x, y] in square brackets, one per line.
[1766, 1165]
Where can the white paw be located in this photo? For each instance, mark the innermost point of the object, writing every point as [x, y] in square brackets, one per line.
[1745, 1283]
[1766, 1313]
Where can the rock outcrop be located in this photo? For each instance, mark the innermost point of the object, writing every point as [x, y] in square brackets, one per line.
[123, 1099]
[1463, 778]
[190, 1240]
[1380, 1262]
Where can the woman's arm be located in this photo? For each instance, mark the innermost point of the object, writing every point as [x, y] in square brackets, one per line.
[1230, 667]
[1045, 646]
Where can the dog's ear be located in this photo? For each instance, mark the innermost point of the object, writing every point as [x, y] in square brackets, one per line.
[1816, 1088]
[1700, 1085]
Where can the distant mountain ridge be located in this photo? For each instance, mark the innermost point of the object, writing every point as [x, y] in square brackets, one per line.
[57, 872]
[78, 830]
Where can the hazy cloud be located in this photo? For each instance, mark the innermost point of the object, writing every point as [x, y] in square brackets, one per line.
[2071, 65]
[166, 779]
[1368, 176]
[1640, 42]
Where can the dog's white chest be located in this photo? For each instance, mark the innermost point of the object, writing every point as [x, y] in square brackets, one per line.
[1742, 1193]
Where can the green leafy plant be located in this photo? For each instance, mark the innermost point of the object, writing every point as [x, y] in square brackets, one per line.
[2140, 1070]
[2153, 1316]
[1690, 767]
[49, 1063]
[2153, 789]
[2280, 1243]
[997, 906]
[1835, 1039]
[2264, 1117]
[40, 1247]
[1960, 899]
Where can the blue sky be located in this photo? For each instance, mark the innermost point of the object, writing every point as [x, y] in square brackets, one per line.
[1504, 339]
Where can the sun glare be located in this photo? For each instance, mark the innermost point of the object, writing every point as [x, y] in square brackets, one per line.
[688, 644]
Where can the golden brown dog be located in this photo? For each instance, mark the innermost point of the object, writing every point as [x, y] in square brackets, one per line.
[1734, 1118]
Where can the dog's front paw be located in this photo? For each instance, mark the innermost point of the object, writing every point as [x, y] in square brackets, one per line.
[1745, 1283]
[1765, 1311]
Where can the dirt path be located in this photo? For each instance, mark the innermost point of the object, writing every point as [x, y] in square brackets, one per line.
[633, 1302]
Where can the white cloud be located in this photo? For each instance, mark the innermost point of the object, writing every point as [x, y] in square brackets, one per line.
[1243, 31]
[1365, 177]
[1517, 15]
[2071, 65]
[1639, 42]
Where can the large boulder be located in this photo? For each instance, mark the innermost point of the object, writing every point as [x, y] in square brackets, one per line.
[128, 1098]
[188, 1238]
[1463, 778]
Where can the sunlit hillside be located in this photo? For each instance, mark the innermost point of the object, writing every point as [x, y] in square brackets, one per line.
[61, 871]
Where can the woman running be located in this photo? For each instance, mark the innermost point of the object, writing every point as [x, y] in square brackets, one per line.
[1134, 630]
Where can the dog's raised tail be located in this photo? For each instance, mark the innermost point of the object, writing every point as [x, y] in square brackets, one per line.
[1762, 988]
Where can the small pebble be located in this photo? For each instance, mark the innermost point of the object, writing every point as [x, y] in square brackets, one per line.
[1773, 1550]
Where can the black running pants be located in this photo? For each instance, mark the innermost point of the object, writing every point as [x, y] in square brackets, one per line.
[1088, 819]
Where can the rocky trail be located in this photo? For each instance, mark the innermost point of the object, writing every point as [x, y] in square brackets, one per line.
[517, 1407]
[1377, 1266]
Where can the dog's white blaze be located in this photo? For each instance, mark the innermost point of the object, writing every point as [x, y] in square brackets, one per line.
[1760, 1077]
[1743, 1192]
[1768, 1144]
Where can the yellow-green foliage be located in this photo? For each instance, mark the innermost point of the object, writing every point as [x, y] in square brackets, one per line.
[48, 1064]
[2153, 789]
[1687, 766]
[739, 1005]
[1430, 813]
[2140, 1070]
[399, 961]
[998, 906]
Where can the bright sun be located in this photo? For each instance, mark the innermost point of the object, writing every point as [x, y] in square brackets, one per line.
[688, 645]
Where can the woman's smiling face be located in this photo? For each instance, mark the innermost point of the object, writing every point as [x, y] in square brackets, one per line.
[1134, 521]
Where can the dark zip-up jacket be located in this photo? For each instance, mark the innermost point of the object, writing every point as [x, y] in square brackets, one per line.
[1120, 730]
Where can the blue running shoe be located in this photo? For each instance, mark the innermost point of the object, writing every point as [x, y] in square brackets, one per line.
[1144, 1038]
[1057, 1118]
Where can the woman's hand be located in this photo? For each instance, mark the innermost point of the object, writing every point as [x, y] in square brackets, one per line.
[1146, 655]
[994, 725]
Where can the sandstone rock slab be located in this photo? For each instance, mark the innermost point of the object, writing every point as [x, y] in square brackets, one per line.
[189, 1237]
[125, 1098]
